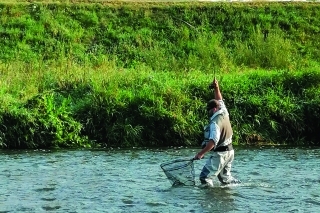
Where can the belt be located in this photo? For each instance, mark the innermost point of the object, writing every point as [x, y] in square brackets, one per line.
[224, 148]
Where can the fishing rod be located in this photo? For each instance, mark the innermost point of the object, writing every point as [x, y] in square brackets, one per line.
[194, 28]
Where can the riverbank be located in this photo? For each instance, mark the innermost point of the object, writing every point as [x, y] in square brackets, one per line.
[130, 74]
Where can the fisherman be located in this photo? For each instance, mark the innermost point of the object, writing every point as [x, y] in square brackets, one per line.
[218, 139]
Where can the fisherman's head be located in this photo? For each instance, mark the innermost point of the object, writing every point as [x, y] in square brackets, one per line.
[212, 107]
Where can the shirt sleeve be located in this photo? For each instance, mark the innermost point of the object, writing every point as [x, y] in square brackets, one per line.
[223, 107]
[214, 133]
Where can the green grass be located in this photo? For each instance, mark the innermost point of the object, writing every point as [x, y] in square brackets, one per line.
[108, 106]
[118, 74]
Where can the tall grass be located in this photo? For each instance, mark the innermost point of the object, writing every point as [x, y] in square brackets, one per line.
[111, 106]
[271, 52]
[114, 107]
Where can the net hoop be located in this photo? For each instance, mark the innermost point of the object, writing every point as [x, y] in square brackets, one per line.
[180, 171]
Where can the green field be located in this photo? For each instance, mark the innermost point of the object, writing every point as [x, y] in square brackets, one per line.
[136, 74]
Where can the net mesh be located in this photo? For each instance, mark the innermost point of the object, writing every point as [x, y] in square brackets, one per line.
[180, 172]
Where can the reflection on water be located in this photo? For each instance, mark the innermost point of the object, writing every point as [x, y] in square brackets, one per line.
[273, 180]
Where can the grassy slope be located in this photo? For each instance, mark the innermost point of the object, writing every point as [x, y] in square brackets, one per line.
[136, 74]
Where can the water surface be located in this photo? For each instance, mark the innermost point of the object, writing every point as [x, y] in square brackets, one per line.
[273, 180]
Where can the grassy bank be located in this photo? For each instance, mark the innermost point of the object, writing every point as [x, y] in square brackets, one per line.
[133, 74]
[164, 36]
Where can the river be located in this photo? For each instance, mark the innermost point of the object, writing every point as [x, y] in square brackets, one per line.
[273, 180]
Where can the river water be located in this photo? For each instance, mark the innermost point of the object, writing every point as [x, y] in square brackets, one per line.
[273, 180]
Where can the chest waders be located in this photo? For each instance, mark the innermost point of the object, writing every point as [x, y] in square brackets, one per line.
[219, 163]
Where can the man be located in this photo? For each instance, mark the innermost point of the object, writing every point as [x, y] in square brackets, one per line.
[218, 138]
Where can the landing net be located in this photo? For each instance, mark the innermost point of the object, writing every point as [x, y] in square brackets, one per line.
[180, 172]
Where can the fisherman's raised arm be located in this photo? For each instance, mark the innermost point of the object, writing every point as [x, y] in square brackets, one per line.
[215, 86]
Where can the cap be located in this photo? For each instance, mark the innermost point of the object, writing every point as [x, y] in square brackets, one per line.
[213, 103]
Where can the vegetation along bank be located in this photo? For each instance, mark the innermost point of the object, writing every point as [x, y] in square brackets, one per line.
[130, 74]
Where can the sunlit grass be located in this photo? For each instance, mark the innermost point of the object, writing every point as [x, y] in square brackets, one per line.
[115, 106]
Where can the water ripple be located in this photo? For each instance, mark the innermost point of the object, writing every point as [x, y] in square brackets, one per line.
[45, 189]
[51, 208]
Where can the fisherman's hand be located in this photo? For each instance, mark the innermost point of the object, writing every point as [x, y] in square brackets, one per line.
[198, 156]
[214, 84]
